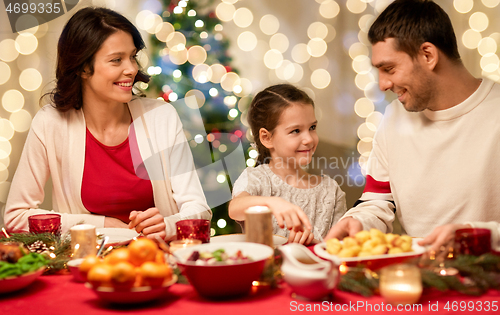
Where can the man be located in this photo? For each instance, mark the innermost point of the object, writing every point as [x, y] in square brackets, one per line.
[435, 156]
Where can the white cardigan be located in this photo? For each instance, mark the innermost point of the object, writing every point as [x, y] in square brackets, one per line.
[55, 147]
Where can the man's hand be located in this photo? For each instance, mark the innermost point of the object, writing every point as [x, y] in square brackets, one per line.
[441, 236]
[149, 222]
[345, 227]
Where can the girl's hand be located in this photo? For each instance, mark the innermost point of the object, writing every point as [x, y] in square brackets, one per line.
[149, 222]
[302, 237]
[292, 215]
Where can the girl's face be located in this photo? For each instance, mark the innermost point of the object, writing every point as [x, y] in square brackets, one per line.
[115, 68]
[294, 139]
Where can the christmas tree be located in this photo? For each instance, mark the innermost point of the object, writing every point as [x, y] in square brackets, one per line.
[190, 61]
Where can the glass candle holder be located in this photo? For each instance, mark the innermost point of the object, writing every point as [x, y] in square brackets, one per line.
[473, 241]
[83, 240]
[178, 244]
[45, 223]
[401, 284]
[197, 229]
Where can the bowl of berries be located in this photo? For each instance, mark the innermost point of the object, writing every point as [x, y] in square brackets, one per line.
[223, 270]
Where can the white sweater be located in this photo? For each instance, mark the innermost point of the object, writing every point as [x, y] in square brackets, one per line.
[437, 167]
[55, 147]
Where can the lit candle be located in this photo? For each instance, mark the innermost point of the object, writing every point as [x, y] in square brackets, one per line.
[401, 284]
[178, 244]
[83, 240]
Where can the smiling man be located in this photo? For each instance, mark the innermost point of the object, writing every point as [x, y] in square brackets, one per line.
[435, 156]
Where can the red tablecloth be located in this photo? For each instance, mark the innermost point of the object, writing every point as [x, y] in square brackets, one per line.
[59, 294]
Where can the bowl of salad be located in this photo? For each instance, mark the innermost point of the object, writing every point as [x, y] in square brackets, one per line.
[223, 270]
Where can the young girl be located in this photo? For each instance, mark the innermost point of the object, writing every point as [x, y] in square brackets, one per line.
[283, 123]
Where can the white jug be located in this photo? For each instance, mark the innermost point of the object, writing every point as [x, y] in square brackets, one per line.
[310, 277]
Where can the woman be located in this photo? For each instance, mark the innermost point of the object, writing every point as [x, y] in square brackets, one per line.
[105, 170]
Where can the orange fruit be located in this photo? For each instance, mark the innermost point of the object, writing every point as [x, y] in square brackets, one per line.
[117, 255]
[100, 275]
[123, 275]
[160, 257]
[89, 262]
[154, 274]
[142, 250]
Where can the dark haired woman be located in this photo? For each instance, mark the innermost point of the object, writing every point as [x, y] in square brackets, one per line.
[115, 160]
[284, 127]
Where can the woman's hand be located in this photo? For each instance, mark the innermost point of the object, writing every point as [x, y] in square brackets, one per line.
[110, 222]
[149, 222]
[441, 236]
[292, 215]
[302, 237]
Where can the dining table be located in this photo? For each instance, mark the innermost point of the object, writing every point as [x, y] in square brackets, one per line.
[61, 294]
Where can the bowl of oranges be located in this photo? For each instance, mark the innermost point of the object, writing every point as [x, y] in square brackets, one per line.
[133, 274]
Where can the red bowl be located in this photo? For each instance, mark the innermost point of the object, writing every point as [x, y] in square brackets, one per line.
[224, 281]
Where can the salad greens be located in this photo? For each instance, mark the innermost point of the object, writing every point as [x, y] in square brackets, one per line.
[25, 264]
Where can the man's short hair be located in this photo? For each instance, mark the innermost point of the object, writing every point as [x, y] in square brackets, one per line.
[412, 23]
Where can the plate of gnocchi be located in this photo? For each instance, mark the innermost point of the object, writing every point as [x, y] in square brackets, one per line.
[373, 249]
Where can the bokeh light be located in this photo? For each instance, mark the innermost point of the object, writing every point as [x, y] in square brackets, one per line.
[478, 21]
[269, 24]
[8, 51]
[197, 55]
[471, 38]
[163, 30]
[26, 43]
[216, 72]
[317, 30]
[356, 6]
[487, 46]
[247, 41]
[12, 100]
[21, 120]
[463, 6]
[320, 78]
[229, 80]
[30, 79]
[5, 71]
[364, 107]
[194, 99]
[6, 129]
[225, 11]
[243, 17]
[300, 53]
[316, 47]
[279, 42]
[273, 59]
[329, 9]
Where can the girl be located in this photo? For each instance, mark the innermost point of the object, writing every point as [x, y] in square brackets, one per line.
[283, 123]
[105, 171]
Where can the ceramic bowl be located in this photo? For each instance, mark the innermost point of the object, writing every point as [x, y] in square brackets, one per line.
[74, 268]
[228, 280]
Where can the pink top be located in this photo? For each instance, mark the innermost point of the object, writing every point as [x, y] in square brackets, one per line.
[110, 186]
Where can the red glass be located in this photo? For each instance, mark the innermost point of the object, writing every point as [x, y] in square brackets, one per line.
[473, 241]
[45, 223]
[197, 229]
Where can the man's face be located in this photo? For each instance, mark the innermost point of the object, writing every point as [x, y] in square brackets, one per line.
[403, 75]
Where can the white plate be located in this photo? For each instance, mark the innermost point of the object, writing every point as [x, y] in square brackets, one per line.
[320, 250]
[117, 235]
[277, 239]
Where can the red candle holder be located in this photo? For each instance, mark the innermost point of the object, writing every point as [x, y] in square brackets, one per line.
[45, 223]
[197, 229]
[473, 241]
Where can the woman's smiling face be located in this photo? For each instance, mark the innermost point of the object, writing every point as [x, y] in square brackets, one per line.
[115, 68]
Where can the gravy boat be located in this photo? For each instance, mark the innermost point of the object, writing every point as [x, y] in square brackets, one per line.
[310, 277]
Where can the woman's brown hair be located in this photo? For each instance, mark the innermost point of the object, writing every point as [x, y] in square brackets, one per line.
[82, 36]
[265, 112]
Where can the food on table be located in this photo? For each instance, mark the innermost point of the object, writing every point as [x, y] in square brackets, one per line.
[24, 264]
[369, 243]
[142, 263]
[218, 256]
[11, 252]
[142, 250]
